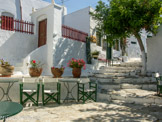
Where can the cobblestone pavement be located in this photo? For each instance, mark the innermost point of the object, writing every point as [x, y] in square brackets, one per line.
[116, 111]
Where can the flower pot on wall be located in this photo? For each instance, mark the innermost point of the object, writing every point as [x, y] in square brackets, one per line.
[35, 72]
[6, 71]
[76, 72]
[57, 72]
[95, 56]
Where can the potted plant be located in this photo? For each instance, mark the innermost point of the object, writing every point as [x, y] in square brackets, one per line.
[6, 70]
[35, 69]
[57, 72]
[93, 39]
[77, 66]
[95, 54]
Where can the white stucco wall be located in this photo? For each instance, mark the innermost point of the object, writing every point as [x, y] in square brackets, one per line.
[10, 6]
[133, 50]
[27, 6]
[154, 47]
[53, 14]
[45, 13]
[93, 24]
[15, 46]
[37, 55]
[67, 49]
[79, 20]
[13, 6]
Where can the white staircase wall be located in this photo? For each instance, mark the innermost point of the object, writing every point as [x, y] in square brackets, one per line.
[65, 49]
[40, 54]
[15, 46]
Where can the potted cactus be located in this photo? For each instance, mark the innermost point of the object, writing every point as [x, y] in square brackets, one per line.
[6, 70]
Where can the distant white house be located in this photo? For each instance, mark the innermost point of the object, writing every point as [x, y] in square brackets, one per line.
[82, 20]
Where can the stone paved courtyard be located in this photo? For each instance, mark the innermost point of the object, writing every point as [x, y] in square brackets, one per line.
[90, 112]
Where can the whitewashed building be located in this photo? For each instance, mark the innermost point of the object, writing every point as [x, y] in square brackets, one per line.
[82, 20]
[33, 30]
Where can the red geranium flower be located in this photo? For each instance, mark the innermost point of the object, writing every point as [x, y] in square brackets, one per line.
[76, 63]
[34, 61]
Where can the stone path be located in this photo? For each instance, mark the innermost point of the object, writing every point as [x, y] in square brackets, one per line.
[124, 82]
[129, 98]
[90, 112]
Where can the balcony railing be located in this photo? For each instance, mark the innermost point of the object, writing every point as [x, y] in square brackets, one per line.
[8, 23]
[74, 34]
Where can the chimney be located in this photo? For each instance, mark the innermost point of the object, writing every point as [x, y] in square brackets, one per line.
[52, 1]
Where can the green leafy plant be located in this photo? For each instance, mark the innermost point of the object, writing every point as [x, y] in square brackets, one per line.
[4, 63]
[74, 63]
[61, 68]
[120, 19]
[93, 39]
[34, 64]
[95, 52]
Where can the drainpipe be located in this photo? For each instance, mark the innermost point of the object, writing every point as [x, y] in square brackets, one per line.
[20, 9]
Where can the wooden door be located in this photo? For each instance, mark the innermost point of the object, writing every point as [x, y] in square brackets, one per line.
[42, 33]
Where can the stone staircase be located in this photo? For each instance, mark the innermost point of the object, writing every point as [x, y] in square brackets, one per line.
[124, 82]
[18, 68]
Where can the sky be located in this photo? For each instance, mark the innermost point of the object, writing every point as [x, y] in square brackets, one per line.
[74, 5]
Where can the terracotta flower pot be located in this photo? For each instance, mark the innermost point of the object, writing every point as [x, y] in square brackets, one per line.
[76, 72]
[57, 72]
[6, 71]
[35, 72]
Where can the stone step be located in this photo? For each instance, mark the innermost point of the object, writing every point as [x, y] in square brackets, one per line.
[18, 69]
[110, 75]
[130, 80]
[17, 73]
[128, 65]
[152, 87]
[125, 69]
[19, 64]
[120, 67]
[136, 96]
[115, 71]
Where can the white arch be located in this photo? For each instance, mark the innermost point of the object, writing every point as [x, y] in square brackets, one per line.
[7, 14]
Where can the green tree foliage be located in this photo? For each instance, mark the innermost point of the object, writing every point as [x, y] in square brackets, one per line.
[122, 18]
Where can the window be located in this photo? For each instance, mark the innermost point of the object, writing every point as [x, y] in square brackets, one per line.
[133, 42]
[7, 21]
